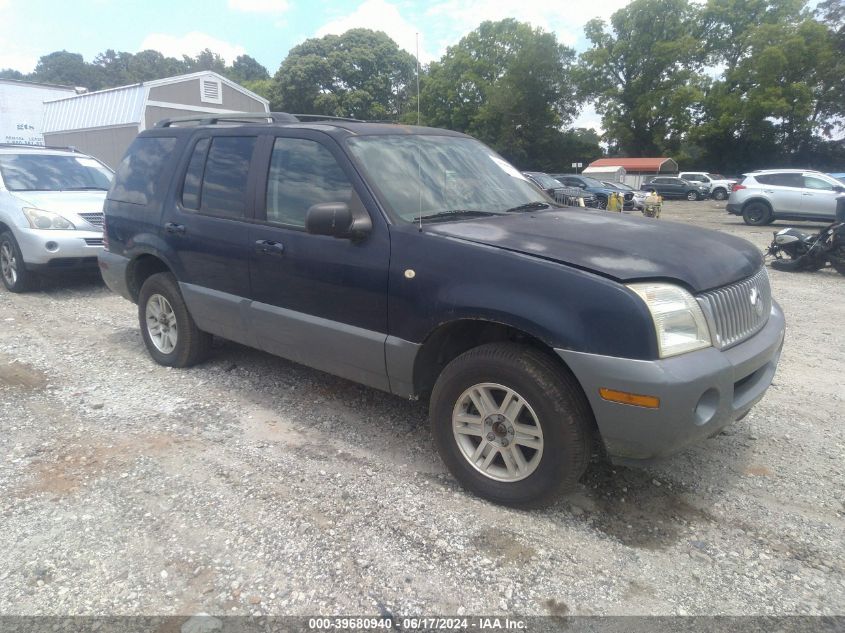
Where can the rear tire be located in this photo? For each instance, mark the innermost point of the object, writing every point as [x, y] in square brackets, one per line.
[511, 424]
[13, 270]
[169, 332]
[720, 194]
[757, 214]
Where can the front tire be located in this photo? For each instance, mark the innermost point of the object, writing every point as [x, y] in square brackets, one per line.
[13, 271]
[169, 332]
[720, 194]
[511, 424]
[692, 196]
[757, 214]
[601, 203]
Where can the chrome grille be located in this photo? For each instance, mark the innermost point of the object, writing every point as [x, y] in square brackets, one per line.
[94, 241]
[730, 312]
[95, 219]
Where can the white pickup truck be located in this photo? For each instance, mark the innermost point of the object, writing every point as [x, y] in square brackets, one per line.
[720, 187]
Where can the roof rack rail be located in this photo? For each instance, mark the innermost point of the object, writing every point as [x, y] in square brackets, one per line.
[326, 117]
[234, 117]
[269, 117]
[64, 148]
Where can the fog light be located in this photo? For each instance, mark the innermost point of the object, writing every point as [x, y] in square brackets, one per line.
[51, 246]
[707, 406]
[634, 399]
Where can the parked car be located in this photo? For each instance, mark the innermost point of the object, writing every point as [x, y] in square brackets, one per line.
[590, 185]
[719, 187]
[51, 212]
[558, 191]
[419, 262]
[637, 197]
[671, 187]
[785, 194]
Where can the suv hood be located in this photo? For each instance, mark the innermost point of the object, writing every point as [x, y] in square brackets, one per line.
[618, 246]
[62, 201]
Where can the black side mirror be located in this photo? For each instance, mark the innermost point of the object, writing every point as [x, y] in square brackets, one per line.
[335, 219]
[839, 189]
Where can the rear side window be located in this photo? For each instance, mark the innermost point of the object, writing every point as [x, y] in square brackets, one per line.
[193, 177]
[781, 180]
[224, 189]
[302, 173]
[143, 170]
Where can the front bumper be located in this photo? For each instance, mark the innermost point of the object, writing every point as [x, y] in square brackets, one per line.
[46, 249]
[700, 392]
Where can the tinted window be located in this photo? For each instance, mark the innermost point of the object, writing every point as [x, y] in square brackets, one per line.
[51, 172]
[226, 169]
[781, 180]
[693, 177]
[142, 169]
[302, 173]
[193, 177]
[811, 182]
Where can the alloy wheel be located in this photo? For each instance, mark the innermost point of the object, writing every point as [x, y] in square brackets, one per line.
[497, 432]
[8, 264]
[161, 324]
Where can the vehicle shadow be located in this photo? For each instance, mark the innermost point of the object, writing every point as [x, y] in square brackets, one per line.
[637, 507]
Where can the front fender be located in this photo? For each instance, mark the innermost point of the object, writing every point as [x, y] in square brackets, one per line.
[436, 280]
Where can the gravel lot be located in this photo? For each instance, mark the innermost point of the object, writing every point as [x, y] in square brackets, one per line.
[250, 485]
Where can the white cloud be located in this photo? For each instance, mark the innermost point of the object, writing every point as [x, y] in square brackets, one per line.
[191, 44]
[380, 15]
[17, 61]
[258, 6]
[565, 19]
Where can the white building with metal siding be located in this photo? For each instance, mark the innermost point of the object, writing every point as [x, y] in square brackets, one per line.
[104, 123]
[22, 109]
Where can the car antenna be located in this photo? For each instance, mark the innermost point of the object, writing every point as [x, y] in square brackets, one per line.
[419, 166]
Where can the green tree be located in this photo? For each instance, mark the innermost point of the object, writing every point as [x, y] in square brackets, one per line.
[245, 69]
[781, 93]
[644, 74]
[62, 67]
[361, 74]
[206, 60]
[508, 84]
[11, 73]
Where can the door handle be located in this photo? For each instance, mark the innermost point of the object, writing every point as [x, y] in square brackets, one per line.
[176, 229]
[269, 247]
[806, 194]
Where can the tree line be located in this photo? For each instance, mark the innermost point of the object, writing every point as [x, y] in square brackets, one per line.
[723, 85]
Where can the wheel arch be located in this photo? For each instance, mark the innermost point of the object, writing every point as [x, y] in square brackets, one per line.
[757, 199]
[141, 268]
[451, 339]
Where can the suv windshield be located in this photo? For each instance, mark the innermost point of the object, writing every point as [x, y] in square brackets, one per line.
[421, 176]
[546, 181]
[592, 182]
[53, 172]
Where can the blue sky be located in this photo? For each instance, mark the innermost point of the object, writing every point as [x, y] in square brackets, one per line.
[264, 29]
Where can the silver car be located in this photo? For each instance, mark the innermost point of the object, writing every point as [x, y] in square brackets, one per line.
[785, 194]
[51, 212]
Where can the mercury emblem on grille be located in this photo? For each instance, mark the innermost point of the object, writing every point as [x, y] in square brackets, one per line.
[754, 297]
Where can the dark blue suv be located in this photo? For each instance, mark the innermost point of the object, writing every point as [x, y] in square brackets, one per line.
[418, 261]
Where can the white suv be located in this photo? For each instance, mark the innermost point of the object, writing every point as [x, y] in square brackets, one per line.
[785, 194]
[719, 186]
[51, 212]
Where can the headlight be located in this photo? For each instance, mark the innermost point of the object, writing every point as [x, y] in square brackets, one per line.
[678, 319]
[41, 219]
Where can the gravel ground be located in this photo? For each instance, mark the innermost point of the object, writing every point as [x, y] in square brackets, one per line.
[250, 485]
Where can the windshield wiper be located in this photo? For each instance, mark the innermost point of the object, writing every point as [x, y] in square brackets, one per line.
[529, 206]
[452, 213]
